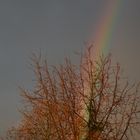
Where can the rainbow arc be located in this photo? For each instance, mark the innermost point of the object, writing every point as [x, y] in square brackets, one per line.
[106, 28]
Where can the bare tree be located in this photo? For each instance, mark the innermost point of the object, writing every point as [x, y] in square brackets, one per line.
[91, 101]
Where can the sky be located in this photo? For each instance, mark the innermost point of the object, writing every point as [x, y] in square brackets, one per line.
[58, 28]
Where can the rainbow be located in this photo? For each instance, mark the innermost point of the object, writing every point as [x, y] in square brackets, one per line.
[106, 28]
[104, 34]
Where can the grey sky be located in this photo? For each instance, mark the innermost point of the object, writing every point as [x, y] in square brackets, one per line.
[58, 28]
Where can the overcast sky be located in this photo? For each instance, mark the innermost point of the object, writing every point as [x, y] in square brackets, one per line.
[58, 28]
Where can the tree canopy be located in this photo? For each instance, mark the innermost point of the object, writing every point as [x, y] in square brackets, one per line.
[86, 101]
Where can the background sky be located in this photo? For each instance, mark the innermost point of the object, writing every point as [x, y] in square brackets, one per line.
[58, 28]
